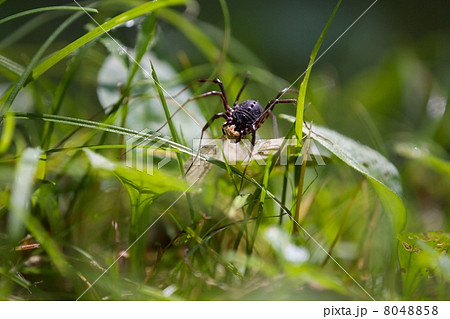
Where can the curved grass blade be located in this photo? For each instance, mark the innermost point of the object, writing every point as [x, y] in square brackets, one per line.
[14, 68]
[102, 127]
[100, 30]
[156, 183]
[20, 209]
[173, 131]
[45, 9]
[21, 190]
[7, 133]
[302, 90]
[60, 92]
[29, 26]
[144, 38]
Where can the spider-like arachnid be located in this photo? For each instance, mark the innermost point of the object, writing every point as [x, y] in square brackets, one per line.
[242, 118]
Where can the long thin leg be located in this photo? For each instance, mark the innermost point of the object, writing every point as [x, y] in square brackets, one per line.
[215, 80]
[285, 90]
[247, 77]
[269, 109]
[222, 94]
[222, 89]
[213, 118]
[190, 100]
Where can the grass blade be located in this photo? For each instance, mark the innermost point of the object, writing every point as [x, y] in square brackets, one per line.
[20, 216]
[101, 127]
[7, 133]
[61, 92]
[173, 131]
[302, 90]
[21, 190]
[44, 9]
[100, 30]
[11, 66]
[32, 24]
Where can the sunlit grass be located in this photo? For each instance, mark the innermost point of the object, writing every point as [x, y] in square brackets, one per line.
[72, 213]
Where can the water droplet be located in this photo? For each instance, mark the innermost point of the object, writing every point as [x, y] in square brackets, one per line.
[129, 23]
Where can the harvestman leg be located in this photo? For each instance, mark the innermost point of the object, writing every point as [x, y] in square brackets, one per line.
[225, 115]
[215, 80]
[222, 95]
[236, 101]
[212, 119]
[269, 108]
[267, 111]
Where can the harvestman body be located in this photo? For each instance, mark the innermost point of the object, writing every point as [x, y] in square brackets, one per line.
[243, 118]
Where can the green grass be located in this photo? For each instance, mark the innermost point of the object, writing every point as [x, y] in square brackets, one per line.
[108, 231]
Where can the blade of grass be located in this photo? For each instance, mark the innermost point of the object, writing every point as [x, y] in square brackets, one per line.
[302, 90]
[226, 39]
[20, 209]
[10, 65]
[299, 115]
[173, 132]
[298, 202]
[262, 198]
[7, 133]
[45, 9]
[34, 23]
[284, 189]
[101, 127]
[100, 30]
[21, 191]
[61, 92]
[146, 34]
[172, 129]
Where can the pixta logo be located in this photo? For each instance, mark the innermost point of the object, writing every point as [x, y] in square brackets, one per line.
[141, 148]
[144, 147]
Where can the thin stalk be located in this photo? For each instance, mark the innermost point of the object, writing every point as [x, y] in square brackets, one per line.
[302, 90]
[45, 9]
[284, 190]
[174, 134]
[298, 202]
[344, 219]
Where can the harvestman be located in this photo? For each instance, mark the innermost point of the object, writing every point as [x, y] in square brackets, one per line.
[240, 120]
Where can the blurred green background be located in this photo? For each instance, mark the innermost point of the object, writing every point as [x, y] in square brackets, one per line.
[385, 83]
